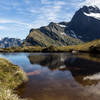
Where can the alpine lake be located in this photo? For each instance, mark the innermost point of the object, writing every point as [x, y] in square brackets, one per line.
[58, 76]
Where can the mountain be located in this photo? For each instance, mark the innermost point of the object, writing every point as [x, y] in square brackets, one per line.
[10, 42]
[53, 34]
[84, 26]
[86, 23]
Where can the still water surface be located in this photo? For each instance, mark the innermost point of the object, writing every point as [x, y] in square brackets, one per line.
[58, 76]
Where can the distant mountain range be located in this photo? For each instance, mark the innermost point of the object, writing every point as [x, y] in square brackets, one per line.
[10, 42]
[84, 26]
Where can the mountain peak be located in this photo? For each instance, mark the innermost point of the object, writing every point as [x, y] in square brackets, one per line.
[52, 24]
[90, 9]
[85, 23]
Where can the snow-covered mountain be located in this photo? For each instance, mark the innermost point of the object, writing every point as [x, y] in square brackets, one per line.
[10, 42]
[85, 24]
[92, 12]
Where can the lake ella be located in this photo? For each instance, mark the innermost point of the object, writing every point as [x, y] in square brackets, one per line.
[58, 76]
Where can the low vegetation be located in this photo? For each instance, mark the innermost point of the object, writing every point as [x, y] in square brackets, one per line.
[93, 47]
[7, 94]
[23, 49]
[11, 76]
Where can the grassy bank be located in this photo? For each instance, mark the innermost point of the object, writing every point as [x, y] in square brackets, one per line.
[90, 47]
[23, 49]
[11, 76]
[93, 46]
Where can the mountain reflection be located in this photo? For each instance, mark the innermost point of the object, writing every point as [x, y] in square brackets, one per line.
[85, 71]
[52, 61]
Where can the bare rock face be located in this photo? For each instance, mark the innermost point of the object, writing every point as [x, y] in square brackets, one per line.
[53, 34]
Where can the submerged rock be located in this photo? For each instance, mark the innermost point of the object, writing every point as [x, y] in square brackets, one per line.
[74, 52]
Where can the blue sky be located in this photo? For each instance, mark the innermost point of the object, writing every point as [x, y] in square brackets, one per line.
[17, 17]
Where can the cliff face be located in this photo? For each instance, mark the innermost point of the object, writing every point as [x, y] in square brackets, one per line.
[53, 34]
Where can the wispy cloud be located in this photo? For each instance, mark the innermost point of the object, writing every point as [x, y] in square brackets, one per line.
[51, 12]
[3, 21]
[48, 12]
[2, 27]
[46, 2]
[90, 3]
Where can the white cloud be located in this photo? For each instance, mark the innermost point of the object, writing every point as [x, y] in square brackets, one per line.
[51, 11]
[93, 2]
[4, 21]
[46, 2]
[27, 1]
[90, 3]
[2, 27]
[19, 23]
[34, 11]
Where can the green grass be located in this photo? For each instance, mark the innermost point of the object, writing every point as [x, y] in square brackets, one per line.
[93, 46]
[11, 76]
[23, 49]
[85, 47]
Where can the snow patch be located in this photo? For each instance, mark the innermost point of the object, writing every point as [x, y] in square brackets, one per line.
[93, 77]
[94, 15]
[63, 33]
[0, 39]
[80, 36]
[73, 34]
[62, 67]
[62, 25]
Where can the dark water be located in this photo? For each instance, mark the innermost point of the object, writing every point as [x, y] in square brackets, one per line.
[59, 76]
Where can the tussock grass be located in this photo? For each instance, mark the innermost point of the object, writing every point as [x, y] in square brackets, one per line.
[23, 49]
[7, 94]
[11, 76]
[85, 47]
